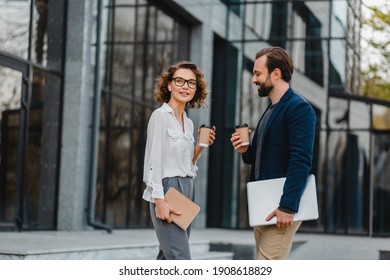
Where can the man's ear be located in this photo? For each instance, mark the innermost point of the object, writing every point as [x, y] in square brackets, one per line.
[277, 73]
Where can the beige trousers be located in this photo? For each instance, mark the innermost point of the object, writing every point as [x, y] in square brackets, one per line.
[274, 243]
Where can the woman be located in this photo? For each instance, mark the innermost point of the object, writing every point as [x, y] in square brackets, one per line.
[170, 155]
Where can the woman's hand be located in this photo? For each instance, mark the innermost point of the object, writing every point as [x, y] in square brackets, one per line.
[211, 139]
[163, 210]
[212, 135]
[199, 148]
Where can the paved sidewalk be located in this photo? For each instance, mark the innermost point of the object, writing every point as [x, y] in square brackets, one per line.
[311, 246]
[306, 246]
[339, 247]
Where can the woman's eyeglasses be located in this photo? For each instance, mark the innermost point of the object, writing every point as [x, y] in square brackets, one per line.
[180, 82]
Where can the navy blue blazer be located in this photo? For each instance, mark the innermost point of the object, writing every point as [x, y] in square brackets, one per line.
[287, 147]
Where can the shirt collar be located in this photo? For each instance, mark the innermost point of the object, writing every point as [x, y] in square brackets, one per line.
[168, 108]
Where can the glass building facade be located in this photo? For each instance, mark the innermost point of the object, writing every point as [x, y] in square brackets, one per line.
[31, 69]
[124, 46]
[142, 40]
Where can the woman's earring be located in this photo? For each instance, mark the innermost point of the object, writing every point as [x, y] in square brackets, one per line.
[169, 88]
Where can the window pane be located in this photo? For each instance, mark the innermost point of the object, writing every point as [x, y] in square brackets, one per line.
[41, 153]
[381, 117]
[10, 93]
[39, 34]
[338, 113]
[339, 18]
[346, 175]
[14, 27]
[361, 113]
[337, 63]
[381, 184]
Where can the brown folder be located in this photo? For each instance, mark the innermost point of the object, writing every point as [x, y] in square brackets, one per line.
[179, 202]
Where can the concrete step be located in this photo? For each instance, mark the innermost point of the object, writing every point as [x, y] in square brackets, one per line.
[7, 227]
[384, 255]
[199, 250]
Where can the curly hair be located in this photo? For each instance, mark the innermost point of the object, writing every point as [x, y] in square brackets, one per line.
[164, 95]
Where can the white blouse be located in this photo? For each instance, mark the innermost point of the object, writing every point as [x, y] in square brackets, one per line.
[169, 151]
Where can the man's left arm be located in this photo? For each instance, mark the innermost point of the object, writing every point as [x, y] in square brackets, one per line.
[301, 131]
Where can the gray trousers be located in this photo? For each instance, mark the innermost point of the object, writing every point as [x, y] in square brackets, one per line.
[174, 241]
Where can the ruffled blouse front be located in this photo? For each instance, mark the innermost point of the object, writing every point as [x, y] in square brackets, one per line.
[169, 151]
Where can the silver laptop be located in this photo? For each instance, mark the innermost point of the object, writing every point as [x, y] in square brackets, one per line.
[264, 197]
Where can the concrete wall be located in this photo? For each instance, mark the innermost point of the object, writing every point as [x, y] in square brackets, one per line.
[77, 114]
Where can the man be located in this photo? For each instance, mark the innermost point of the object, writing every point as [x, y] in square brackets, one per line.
[282, 146]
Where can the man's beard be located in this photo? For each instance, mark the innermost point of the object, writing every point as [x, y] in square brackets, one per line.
[264, 90]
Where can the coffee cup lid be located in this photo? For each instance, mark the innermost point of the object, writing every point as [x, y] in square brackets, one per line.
[242, 125]
[206, 126]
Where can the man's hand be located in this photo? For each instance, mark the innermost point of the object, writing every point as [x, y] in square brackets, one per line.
[283, 219]
[237, 141]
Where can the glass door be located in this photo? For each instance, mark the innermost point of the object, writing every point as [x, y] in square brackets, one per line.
[12, 112]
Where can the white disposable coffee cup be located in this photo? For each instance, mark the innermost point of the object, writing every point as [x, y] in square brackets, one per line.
[204, 137]
[243, 130]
